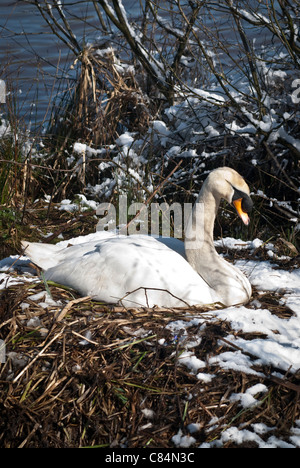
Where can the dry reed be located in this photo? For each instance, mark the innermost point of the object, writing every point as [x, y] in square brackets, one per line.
[81, 373]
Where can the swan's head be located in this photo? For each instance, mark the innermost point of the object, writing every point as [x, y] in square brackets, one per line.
[226, 183]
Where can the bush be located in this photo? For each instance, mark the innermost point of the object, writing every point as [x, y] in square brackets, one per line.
[174, 85]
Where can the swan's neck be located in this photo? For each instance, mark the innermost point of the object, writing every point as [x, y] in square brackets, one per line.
[228, 284]
[199, 242]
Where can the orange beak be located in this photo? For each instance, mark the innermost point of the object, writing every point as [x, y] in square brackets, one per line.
[242, 214]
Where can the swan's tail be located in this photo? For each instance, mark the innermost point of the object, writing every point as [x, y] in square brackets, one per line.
[43, 255]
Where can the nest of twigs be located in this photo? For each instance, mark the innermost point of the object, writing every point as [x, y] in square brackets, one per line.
[85, 374]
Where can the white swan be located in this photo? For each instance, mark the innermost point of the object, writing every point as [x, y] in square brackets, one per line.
[140, 270]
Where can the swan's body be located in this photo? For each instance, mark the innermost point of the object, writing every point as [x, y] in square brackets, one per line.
[141, 270]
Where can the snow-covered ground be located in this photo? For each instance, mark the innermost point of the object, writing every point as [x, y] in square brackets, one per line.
[278, 347]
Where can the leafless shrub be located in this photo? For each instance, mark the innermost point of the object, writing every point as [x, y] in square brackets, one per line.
[221, 76]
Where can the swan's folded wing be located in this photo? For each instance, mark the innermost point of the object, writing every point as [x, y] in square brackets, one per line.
[138, 271]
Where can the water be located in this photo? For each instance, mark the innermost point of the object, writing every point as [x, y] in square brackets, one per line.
[29, 57]
[33, 60]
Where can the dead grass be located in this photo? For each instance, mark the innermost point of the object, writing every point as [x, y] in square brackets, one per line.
[103, 101]
[40, 219]
[84, 374]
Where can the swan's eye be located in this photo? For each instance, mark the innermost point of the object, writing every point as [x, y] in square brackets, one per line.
[246, 202]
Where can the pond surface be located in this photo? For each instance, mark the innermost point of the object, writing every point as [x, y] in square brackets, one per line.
[33, 60]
